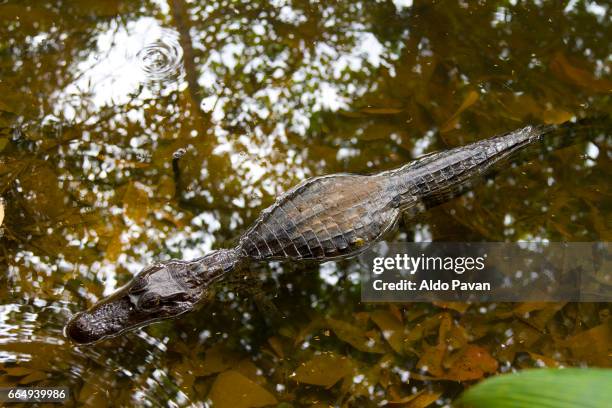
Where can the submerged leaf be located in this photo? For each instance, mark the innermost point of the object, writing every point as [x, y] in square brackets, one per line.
[431, 360]
[556, 117]
[216, 359]
[233, 390]
[17, 371]
[562, 67]
[460, 307]
[33, 377]
[591, 346]
[355, 336]
[528, 307]
[324, 369]
[421, 399]
[276, 346]
[470, 99]
[392, 329]
[471, 363]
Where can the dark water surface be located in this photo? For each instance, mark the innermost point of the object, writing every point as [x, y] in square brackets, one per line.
[96, 96]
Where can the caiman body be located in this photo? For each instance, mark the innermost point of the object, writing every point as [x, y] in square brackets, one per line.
[342, 214]
[322, 218]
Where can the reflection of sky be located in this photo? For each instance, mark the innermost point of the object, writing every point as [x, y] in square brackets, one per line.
[7, 328]
[401, 4]
[112, 71]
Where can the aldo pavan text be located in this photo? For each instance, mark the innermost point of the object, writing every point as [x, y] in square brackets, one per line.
[403, 264]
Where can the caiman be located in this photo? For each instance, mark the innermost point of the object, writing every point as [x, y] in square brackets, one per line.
[323, 218]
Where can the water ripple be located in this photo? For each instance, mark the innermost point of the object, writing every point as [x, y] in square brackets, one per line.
[162, 59]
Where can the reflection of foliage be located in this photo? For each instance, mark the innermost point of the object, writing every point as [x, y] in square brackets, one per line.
[273, 93]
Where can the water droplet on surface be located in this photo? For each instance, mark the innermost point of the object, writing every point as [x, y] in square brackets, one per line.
[162, 59]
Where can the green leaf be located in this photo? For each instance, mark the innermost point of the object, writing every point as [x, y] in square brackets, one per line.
[570, 387]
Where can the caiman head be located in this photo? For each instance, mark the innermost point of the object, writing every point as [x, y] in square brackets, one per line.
[161, 291]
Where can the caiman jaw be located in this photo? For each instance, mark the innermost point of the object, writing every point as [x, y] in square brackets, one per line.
[118, 314]
[161, 291]
[109, 318]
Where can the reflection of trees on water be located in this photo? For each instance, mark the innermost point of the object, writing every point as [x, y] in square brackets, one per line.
[274, 92]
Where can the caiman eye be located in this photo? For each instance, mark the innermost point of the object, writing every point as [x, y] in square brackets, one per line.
[139, 284]
[149, 300]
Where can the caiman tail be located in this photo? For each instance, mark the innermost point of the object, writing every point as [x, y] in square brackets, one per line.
[323, 218]
[438, 177]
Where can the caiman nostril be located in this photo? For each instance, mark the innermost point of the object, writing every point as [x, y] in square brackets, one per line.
[78, 330]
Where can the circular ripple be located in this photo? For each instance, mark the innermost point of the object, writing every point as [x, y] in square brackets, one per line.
[162, 59]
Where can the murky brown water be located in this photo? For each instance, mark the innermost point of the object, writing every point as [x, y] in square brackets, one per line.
[96, 96]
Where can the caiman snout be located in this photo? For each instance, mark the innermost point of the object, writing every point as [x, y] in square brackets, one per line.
[106, 319]
[77, 329]
[161, 291]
